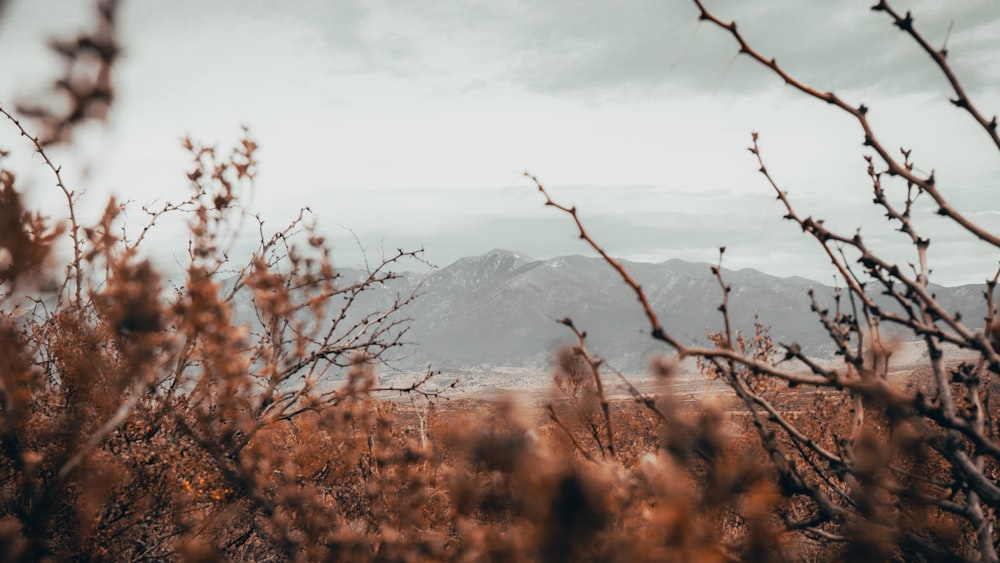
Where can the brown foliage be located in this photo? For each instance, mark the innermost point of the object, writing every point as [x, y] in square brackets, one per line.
[144, 424]
[137, 423]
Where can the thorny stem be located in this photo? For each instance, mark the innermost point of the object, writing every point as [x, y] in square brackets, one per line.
[921, 312]
[860, 113]
[883, 271]
[940, 57]
[595, 365]
[654, 322]
[67, 193]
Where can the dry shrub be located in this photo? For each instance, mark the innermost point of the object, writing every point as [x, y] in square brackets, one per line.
[861, 465]
[143, 424]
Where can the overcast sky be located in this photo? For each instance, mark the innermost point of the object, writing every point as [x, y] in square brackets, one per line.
[411, 123]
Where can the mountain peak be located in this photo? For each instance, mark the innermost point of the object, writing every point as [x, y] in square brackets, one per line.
[475, 270]
[496, 259]
[504, 253]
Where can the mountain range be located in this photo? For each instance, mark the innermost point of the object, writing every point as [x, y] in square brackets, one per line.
[500, 309]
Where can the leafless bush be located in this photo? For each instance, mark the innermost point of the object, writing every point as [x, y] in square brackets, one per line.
[868, 467]
[139, 423]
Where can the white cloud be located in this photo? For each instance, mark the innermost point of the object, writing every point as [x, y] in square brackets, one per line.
[401, 121]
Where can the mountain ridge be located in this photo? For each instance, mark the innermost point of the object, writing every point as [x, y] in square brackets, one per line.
[499, 309]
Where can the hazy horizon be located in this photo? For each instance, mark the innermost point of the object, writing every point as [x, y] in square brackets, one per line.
[428, 267]
[411, 126]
